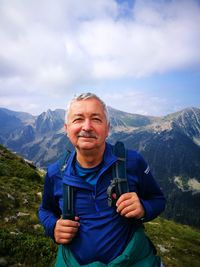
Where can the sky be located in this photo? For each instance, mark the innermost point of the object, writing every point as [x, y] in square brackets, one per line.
[139, 56]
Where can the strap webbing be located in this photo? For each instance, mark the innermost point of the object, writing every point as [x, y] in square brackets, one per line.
[120, 153]
[68, 202]
[68, 191]
[119, 183]
[120, 167]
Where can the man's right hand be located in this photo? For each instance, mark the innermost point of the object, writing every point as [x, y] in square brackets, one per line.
[65, 230]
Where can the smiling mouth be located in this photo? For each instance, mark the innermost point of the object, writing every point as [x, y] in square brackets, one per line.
[87, 135]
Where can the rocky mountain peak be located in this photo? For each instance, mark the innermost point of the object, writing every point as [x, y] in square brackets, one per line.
[188, 121]
[48, 121]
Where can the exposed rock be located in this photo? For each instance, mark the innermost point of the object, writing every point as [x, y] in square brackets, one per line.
[22, 214]
[162, 248]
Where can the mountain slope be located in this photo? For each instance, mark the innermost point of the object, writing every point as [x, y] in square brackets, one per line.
[20, 195]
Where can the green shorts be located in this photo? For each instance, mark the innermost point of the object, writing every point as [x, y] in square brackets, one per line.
[138, 253]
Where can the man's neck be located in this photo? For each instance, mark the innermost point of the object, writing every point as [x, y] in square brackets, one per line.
[89, 158]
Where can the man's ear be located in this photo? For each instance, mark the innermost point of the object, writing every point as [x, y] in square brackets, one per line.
[108, 129]
[65, 127]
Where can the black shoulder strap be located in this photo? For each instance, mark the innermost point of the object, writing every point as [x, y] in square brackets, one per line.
[68, 191]
[120, 166]
[68, 202]
[119, 183]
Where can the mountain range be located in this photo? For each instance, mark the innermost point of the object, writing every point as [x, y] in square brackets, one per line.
[170, 144]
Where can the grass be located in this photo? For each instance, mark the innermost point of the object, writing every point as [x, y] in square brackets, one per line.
[178, 245]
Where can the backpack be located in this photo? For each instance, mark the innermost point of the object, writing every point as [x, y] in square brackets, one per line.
[117, 187]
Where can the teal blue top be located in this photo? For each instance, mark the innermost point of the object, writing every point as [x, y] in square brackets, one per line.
[89, 174]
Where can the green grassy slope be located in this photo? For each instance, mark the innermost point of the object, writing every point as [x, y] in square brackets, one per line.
[22, 239]
[178, 245]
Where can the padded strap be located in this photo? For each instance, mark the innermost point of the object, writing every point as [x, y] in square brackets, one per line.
[120, 167]
[68, 191]
[68, 202]
[120, 152]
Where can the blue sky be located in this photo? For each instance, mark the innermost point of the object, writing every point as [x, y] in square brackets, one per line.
[140, 56]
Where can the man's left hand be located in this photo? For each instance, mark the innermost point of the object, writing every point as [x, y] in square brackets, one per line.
[129, 206]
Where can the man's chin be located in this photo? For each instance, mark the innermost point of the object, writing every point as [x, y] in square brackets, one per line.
[87, 145]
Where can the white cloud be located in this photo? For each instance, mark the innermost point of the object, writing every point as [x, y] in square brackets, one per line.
[137, 102]
[152, 42]
[52, 47]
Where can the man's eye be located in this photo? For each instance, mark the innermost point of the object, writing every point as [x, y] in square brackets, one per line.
[97, 119]
[77, 119]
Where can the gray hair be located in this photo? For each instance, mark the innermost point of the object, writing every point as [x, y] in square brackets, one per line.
[85, 96]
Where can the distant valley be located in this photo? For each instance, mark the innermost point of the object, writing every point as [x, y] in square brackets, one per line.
[170, 144]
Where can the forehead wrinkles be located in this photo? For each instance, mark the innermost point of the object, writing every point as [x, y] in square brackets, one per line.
[87, 114]
[86, 107]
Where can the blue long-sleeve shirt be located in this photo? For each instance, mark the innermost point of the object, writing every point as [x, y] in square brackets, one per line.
[103, 233]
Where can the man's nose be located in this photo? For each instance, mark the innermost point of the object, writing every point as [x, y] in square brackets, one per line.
[87, 125]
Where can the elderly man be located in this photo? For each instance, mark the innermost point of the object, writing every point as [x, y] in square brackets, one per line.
[99, 234]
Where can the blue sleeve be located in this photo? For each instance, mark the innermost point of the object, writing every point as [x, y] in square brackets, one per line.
[49, 211]
[149, 191]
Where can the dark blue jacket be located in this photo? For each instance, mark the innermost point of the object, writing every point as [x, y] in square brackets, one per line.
[103, 233]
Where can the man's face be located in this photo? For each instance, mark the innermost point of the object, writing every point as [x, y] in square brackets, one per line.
[87, 127]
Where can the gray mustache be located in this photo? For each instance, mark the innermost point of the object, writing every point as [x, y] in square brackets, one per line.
[87, 135]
